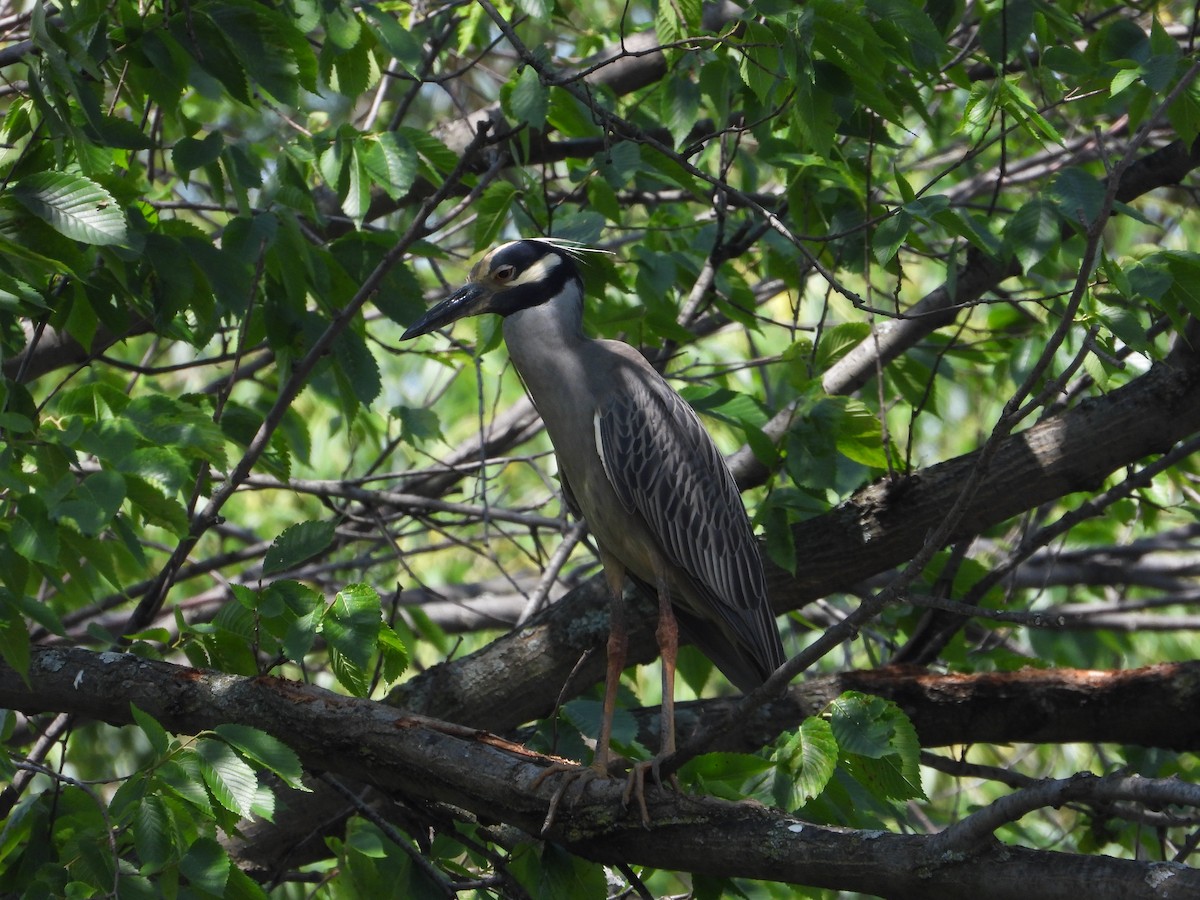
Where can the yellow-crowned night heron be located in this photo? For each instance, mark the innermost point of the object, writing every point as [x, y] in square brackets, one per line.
[639, 467]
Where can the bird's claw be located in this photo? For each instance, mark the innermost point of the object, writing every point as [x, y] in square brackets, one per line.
[575, 774]
[635, 785]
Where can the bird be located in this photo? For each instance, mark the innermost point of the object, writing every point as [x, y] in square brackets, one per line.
[636, 463]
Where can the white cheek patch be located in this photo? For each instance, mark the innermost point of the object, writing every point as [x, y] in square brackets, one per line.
[537, 272]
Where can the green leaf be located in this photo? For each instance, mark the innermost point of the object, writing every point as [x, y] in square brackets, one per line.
[682, 107]
[889, 235]
[160, 740]
[356, 189]
[1033, 232]
[302, 634]
[230, 779]
[34, 536]
[391, 161]
[298, 543]
[418, 424]
[859, 724]
[555, 873]
[14, 636]
[395, 653]
[149, 502]
[818, 756]
[492, 212]
[723, 774]
[351, 628]
[807, 760]
[879, 745]
[529, 101]
[266, 751]
[182, 777]
[781, 547]
[538, 10]
[206, 866]
[92, 505]
[358, 365]
[399, 42]
[169, 422]
[189, 153]
[151, 828]
[74, 206]
[1078, 195]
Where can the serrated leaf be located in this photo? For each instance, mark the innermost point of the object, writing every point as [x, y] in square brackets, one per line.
[182, 777]
[418, 424]
[92, 505]
[356, 198]
[562, 874]
[34, 536]
[351, 624]
[206, 866]
[529, 101]
[189, 153]
[74, 206]
[302, 634]
[859, 725]
[781, 547]
[1032, 232]
[884, 777]
[492, 212]
[399, 42]
[392, 163]
[818, 756]
[298, 543]
[151, 828]
[682, 103]
[169, 422]
[538, 10]
[160, 740]
[889, 235]
[585, 715]
[14, 637]
[807, 761]
[350, 675]
[733, 768]
[148, 502]
[229, 777]
[358, 365]
[395, 653]
[267, 751]
[1078, 195]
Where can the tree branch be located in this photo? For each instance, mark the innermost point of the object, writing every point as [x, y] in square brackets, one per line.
[431, 760]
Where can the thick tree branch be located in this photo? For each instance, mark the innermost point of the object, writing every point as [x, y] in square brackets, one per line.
[430, 760]
[1150, 707]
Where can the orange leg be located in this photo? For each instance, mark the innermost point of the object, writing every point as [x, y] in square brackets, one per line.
[618, 645]
[667, 635]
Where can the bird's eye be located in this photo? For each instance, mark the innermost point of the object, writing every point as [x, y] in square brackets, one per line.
[504, 273]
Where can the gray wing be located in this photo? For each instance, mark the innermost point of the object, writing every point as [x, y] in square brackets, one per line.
[664, 465]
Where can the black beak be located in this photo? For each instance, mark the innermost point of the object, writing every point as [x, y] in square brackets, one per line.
[469, 300]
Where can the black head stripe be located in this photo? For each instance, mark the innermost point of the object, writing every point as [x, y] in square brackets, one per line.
[540, 272]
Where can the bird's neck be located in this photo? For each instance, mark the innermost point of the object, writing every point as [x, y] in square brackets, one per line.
[543, 342]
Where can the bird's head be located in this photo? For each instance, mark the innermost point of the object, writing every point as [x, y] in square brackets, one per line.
[508, 279]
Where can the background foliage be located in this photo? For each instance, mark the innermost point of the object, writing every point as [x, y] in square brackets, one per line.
[863, 238]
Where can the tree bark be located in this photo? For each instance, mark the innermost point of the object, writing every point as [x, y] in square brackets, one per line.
[430, 760]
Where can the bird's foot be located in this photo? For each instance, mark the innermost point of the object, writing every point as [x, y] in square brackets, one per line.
[635, 786]
[573, 773]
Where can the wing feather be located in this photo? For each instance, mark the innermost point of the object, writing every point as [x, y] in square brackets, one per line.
[663, 464]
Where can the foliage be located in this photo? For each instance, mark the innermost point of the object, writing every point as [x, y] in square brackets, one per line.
[862, 237]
